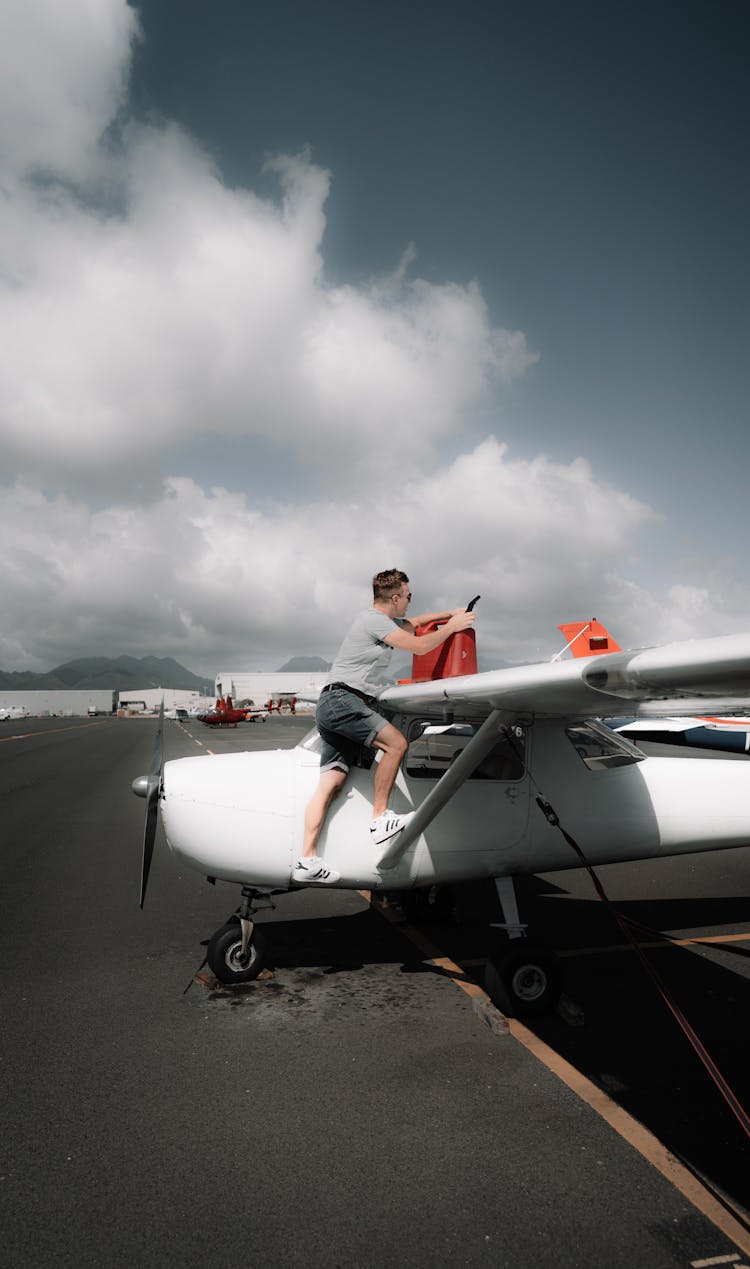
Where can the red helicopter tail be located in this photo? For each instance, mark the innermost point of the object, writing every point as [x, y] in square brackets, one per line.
[588, 638]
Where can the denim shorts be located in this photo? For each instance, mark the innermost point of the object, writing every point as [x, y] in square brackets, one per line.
[346, 724]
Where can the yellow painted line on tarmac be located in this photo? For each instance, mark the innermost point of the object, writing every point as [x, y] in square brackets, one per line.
[50, 731]
[449, 967]
[711, 1261]
[636, 1135]
[717, 938]
[667, 941]
[196, 741]
[647, 1145]
[431, 953]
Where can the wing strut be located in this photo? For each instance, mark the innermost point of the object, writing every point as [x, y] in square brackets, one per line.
[448, 784]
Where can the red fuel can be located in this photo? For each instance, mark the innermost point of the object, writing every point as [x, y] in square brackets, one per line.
[458, 655]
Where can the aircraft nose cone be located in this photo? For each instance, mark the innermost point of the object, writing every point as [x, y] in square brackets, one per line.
[140, 786]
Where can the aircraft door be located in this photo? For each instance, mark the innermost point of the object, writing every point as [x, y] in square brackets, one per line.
[488, 814]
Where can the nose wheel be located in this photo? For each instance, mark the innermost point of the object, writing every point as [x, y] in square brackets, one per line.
[230, 961]
[239, 950]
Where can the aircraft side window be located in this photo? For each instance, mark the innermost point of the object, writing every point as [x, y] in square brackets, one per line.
[433, 747]
[600, 748]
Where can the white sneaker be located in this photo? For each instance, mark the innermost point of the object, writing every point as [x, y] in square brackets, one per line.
[312, 869]
[388, 825]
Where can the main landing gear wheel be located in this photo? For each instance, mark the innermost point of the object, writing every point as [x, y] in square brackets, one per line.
[224, 954]
[524, 980]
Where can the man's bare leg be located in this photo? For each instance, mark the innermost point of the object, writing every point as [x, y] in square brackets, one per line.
[392, 745]
[330, 783]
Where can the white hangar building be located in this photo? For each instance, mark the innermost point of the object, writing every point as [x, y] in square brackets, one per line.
[60, 702]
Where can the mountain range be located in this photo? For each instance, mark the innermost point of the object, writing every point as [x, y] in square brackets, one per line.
[304, 665]
[91, 673]
[126, 673]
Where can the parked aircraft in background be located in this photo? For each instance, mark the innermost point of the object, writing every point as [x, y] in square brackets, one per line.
[731, 734]
[225, 714]
[288, 700]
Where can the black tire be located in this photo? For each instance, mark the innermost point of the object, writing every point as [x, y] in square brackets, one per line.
[223, 954]
[524, 980]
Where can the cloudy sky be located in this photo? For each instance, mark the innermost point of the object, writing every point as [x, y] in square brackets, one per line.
[295, 290]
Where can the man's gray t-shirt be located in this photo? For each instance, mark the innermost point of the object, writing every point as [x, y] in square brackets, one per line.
[363, 657]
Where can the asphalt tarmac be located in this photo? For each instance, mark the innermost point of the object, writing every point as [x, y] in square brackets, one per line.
[355, 1108]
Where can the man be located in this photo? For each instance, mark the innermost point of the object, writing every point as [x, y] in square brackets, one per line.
[346, 717]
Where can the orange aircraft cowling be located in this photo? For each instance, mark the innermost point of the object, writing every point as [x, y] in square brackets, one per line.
[588, 638]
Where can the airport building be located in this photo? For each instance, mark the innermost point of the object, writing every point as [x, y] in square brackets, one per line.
[146, 700]
[81, 701]
[58, 703]
[240, 685]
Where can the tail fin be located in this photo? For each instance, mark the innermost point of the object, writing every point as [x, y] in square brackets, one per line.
[588, 638]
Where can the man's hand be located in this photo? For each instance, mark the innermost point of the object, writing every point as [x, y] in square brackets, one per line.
[408, 641]
[461, 620]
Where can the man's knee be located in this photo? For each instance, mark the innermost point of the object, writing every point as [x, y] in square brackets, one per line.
[333, 781]
[338, 782]
[392, 741]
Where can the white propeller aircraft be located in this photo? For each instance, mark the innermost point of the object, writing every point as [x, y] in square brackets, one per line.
[495, 759]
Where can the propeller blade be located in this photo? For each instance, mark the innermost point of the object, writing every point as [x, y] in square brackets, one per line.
[152, 803]
[149, 836]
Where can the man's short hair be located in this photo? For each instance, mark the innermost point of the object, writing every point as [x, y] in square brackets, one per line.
[385, 584]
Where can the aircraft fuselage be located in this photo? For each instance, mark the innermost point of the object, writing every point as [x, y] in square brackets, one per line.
[239, 817]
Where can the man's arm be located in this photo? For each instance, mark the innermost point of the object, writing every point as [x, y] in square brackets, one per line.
[425, 618]
[409, 642]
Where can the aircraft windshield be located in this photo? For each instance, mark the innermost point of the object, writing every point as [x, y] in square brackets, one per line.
[601, 748]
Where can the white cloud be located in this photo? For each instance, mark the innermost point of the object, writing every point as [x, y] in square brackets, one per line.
[205, 577]
[145, 304]
[63, 78]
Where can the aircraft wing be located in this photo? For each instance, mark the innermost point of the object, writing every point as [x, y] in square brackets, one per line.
[698, 676]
